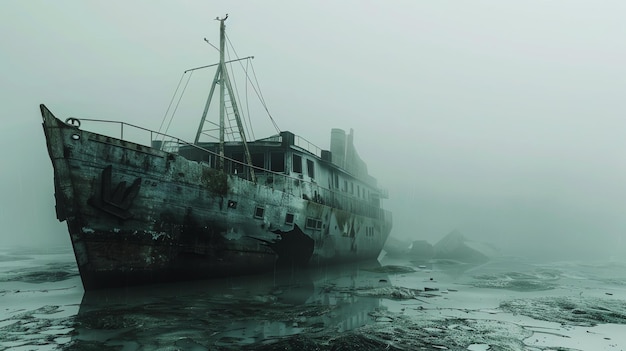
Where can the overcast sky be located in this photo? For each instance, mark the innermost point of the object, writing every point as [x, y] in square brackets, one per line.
[502, 119]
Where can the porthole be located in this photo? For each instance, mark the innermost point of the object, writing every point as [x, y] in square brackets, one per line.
[75, 137]
[259, 212]
[74, 122]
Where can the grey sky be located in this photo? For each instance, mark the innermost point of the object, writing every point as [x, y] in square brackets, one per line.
[503, 120]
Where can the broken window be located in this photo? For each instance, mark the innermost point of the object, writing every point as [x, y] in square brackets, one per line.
[277, 162]
[310, 167]
[296, 163]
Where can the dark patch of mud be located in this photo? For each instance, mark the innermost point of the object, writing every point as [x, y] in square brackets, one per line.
[390, 269]
[538, 280]
[11, 258]
[39, 325]
[400, 332]
[385, 291]
[569, 310]
[53, 272]
[347, 342]
[394, 292]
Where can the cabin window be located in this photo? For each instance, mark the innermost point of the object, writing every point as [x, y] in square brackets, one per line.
[289, 218]
[310, 167]
[259, 212]
[336, 181]
[313, 223]
[345, 186]
[237, 167]
[277, 162]
[258, 160]
[358, 191]
[351, 188]
[296, 163]
[211, 160]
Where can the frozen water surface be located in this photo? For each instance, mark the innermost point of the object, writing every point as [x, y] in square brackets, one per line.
[505, 304]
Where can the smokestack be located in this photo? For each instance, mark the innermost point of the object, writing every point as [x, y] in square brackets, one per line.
[338, 146]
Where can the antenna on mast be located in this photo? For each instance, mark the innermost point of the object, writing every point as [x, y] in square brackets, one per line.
[214, 47]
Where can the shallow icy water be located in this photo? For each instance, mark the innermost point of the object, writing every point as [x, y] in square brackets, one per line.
[506, 304]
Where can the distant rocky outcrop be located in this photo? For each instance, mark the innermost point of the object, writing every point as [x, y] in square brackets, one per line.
[454, 246]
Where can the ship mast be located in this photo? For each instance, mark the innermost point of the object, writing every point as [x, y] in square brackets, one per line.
[221, 78]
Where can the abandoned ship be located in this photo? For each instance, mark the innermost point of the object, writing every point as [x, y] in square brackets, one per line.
[168, 210]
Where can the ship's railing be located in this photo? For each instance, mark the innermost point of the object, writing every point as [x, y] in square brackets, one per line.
[130, 132]
[383, 193]
[305, 189]
[307, 145]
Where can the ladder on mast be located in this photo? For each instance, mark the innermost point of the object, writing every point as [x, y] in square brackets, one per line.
[223, 80]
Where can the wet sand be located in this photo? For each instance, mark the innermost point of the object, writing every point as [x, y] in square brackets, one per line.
[394, 304]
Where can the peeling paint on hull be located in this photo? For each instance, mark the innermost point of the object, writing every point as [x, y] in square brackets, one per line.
[140, 215]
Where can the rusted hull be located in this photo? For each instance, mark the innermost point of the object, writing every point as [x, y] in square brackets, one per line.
[140, 215]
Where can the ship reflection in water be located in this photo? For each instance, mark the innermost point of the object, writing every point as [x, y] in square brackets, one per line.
[505, 304]
[229, 313]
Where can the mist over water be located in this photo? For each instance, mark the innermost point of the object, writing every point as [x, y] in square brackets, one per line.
[500, 121]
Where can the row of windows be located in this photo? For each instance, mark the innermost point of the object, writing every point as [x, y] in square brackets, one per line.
[311, 223]
[277, 164]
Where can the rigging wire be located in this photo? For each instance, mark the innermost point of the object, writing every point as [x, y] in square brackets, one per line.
[246, 95]
[178, 102]
[258, 93]
[171, 101]
[246, 120]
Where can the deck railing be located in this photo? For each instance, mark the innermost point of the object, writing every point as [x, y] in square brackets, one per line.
[296, 186]
[307, 145]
